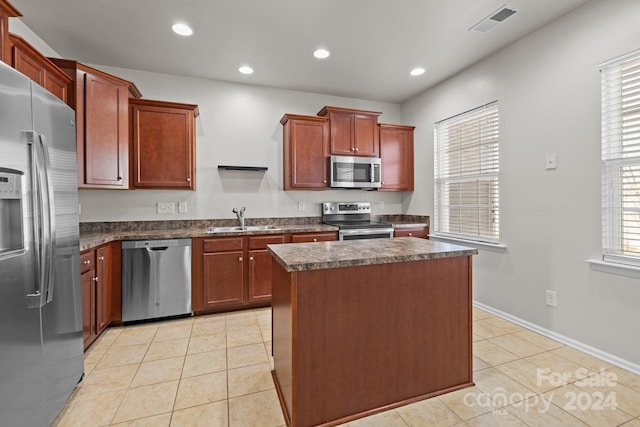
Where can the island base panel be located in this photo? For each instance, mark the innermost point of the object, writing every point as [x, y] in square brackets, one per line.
[352, 341]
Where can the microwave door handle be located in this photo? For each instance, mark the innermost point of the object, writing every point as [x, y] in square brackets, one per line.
[372, 170]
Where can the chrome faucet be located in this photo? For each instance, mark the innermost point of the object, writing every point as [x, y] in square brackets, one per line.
[240, 215]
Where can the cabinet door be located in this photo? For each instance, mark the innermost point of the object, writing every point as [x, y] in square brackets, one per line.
[306, 154]
[396, 154]
[314, 237]
[223, 278]
[88, 307]
[259, 275]
[27, 65]
[103, 287]
[106, 132]
[365, 135]
[57, 86]
[342, 134]
[163, 136]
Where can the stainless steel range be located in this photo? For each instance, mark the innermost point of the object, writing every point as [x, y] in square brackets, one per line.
[354, 221]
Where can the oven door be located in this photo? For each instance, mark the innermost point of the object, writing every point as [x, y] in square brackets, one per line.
[365, 233]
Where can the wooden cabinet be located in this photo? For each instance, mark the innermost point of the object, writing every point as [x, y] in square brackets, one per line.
[101, 102]
[259, 274]
[163, 144]
[396, 154]
[353, 132]
[26, 59]
[417, 230]
[232, 272]
[6, 11]
[223, 272]
[314, 237]
[306, 152]
[97, 282]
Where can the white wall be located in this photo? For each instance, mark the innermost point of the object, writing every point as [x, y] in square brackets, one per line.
[548, 89]
[238, 124]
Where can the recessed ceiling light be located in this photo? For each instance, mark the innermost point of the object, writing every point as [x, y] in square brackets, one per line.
[182, 29]
[417, 71]
[245, 69]
[321, 53]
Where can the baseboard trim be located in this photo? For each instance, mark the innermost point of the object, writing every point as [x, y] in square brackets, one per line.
[593, 351]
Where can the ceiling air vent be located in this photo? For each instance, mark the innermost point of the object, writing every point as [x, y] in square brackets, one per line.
[494, 19]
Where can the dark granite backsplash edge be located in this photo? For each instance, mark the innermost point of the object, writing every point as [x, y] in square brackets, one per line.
[120, 226]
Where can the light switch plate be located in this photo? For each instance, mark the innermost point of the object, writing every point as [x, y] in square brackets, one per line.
[550, 161]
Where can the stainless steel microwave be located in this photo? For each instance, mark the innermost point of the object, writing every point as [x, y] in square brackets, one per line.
[355, 172]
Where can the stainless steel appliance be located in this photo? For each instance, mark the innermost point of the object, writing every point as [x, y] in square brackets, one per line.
[355, 172]
[41, 349]
[353, 220]
[156, 279]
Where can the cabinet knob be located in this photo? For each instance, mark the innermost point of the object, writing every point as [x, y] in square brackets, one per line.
[355, 149]
[95, 279]
[250, 258]
[315, 240]
[119, 178]
[240, 259]
[324, 181]
[410, 234]
[86, 262]
[101, 257]
[188, 179]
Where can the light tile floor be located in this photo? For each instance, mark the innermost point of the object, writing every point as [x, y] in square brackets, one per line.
[215, 371]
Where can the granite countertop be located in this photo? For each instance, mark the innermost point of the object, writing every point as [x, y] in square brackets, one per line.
[350, 253]
[92, 240]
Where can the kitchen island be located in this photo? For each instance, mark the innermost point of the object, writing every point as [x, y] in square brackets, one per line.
[364, 326]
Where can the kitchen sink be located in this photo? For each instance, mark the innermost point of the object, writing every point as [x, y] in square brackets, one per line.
[246, 228]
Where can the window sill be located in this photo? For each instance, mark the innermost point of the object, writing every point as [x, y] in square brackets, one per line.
[614, 268]
[494, 247]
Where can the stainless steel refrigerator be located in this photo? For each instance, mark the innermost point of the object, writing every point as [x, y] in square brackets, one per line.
[41, 348]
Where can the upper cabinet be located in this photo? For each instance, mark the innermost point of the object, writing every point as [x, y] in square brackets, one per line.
[353, 132]
[6, 11]
[101, 102]
[396, 155]
[24, 58]
[306, 149]
[163, 144]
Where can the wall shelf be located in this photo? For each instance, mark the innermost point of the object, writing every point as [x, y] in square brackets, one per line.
[243, 168]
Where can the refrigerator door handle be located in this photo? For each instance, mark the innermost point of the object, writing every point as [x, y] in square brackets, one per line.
[44, 201]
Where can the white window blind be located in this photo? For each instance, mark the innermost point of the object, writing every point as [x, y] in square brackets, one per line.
[620, 85]
[466, 175]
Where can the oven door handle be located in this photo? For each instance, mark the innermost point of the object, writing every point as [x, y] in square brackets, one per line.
[366, 231]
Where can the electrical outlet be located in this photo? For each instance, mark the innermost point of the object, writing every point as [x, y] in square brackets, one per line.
[300, 206]
[550, 161]
[166, 208]
[79, 209]
[552, 298]
[381, 205]
[182, 207]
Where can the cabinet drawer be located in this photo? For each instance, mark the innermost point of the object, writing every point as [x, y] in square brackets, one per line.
[223, 244]
[314, 237]
[261, 242]
[86, 261]
[421, 232]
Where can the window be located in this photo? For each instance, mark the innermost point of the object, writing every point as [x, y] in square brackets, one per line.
[466, 175]
[620, 86]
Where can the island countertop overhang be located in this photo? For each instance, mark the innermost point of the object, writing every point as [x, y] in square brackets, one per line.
[336, 254]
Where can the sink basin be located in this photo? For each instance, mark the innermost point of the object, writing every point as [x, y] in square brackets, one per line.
[246, 228]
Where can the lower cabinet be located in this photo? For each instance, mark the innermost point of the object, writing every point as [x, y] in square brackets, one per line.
[421, 231]
[97, 278]
[235, 272]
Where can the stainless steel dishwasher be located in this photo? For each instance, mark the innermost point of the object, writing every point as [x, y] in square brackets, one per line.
[156, 279]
